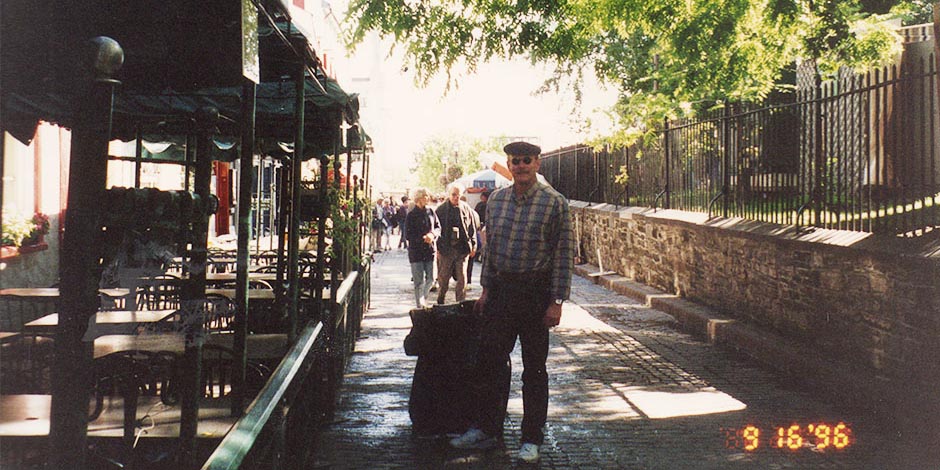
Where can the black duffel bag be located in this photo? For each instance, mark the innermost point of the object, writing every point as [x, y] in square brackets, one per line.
[445, 339]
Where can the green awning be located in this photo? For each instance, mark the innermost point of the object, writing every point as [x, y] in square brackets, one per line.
[172, 114]
[180, 56]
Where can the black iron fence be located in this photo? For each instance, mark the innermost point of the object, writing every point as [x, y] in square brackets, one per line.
[856, 153]
[276, 429]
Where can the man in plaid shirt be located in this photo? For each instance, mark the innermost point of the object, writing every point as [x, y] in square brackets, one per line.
[526, 277]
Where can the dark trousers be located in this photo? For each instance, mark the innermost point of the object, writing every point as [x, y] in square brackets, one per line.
[514, 308]
[470, 262]
[403, 241]
[453, 264]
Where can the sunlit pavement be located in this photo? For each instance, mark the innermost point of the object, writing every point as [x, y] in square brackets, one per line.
[628, 391]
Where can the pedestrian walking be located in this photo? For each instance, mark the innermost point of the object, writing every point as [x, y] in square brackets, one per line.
[400, 216]
[526, 277]
[457, 243]
[476, 238]
[388, 216]
[480, 210]
[378, 225]
[423, 229]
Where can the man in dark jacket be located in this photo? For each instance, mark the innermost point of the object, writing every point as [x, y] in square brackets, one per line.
[457, 244]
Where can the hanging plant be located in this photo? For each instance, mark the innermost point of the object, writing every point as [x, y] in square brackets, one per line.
[345, 224]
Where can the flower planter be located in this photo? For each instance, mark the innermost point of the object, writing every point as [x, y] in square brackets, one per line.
[40, 246]
[12, 251]
[8, 251]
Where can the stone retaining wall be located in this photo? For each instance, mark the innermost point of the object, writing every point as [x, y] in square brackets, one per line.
[868, 303]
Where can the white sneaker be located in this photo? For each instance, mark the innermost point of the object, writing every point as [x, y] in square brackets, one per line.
[473, 439]
[529, 453]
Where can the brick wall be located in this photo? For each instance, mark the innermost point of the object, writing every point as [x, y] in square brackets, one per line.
[867, 302]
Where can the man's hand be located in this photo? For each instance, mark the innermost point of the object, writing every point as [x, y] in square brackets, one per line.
[480, 303]
[429, 238]
[552, 315]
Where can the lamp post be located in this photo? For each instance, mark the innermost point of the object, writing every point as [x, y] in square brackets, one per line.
[444, 177]
[445, 159]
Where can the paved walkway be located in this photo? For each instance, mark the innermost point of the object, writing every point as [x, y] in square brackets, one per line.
[628, 391]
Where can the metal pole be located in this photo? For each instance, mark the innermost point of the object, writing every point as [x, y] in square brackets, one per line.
[357, 210]
[189, 157]
[138, 156]
[349, 146]
[294, 235]
[3, 139]
[283, 201]
[194, 292]
[273, 201]
[818, 160]
[80, 271]
[367, 189]
[726, 159]
[249, 95]
[321, 242]
[366, 230]
[666, 187]
[257, 204]
[337, 263]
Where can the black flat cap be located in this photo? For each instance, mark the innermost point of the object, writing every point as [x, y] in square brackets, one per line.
[522, 149]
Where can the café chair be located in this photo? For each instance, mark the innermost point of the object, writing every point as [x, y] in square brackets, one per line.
[26, 362]
[131, 374]
[160, 293]
[218, 371]
[268, 268]
[219, 313]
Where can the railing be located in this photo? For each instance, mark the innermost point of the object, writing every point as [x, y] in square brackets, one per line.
[916, 33]
[266, 412]
[858, 153]
[275, 430]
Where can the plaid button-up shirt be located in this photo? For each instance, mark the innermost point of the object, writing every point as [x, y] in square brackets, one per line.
[527, 234]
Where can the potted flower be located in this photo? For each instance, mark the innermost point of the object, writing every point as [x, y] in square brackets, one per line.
[20, 232]
[39, 229]
[15, 229]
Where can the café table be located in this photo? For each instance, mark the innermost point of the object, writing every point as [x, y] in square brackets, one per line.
[104, 322]
[252, 276]
[7, 336]
[256, 294]
[227, 279]
[231, 276]
[24, 304]
[253, 294]
[260, 346]
[52, 293]
[28, 416]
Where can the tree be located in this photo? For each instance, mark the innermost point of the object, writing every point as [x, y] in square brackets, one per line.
[460, 153]
[669, 58]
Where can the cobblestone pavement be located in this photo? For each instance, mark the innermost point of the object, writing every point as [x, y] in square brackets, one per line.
[628, 391]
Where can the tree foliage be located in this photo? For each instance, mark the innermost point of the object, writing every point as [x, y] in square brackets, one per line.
[669, 58]
[461, 155]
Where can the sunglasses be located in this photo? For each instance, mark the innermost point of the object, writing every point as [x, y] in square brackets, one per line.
[526, 160]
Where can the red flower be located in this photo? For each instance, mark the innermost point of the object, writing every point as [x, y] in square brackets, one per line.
[41, 223]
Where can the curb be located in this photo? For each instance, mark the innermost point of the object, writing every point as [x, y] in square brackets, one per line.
[792, 357]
